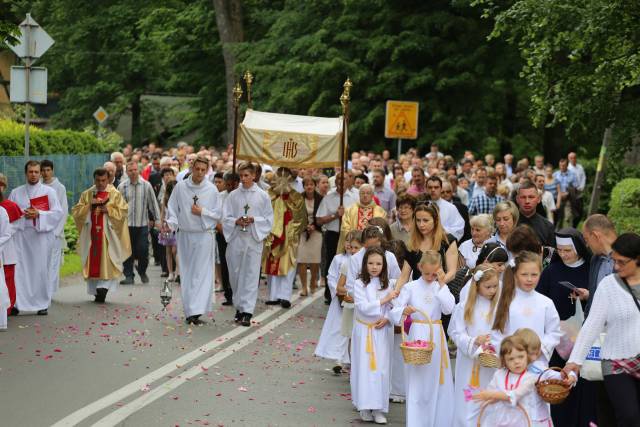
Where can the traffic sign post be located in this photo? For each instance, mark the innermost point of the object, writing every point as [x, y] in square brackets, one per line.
[401, 121]
[33, 42]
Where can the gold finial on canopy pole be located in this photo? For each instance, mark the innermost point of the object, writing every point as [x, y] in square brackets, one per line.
[345, 99]
[248, 79]
[237, 94]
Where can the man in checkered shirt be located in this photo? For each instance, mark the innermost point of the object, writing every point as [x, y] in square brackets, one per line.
[484, 203]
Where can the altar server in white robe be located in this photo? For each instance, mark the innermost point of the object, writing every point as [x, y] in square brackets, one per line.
[520, 306]
[372, 338]
[451, 220]
[470, 329]
[429, 387]
[247, 219]
[193, 212]
[60, 243]
[5, 236]
[373, 235]
[332, 344]
[34, 240]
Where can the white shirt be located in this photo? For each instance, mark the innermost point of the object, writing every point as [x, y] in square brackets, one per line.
[470, 256]
[450, 218]
[329, 206]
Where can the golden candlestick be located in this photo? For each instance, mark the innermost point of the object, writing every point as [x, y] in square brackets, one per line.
[237, 94]
[248, 79]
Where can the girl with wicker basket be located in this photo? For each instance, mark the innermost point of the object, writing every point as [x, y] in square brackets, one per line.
[372, 337]
[470, 329]
[429, 386]
[520, 306]
[512, 384]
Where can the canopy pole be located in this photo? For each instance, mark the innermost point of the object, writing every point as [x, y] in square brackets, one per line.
[237, 94]
[344, 100]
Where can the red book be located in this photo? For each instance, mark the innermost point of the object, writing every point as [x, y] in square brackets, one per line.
[40, 203]
[12, 208]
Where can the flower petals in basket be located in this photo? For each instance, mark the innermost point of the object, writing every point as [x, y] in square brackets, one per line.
[418, 352]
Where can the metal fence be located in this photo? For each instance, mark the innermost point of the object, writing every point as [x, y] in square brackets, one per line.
[75, 171]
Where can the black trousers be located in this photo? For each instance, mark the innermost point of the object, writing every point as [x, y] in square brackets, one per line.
[159, 251]
[624, 394]
[329, 247]
[224, 269]
[139, 251]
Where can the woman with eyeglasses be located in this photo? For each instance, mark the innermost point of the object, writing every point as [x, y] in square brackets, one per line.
[615, 311]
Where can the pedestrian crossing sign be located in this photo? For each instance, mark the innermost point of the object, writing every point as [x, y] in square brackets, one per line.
[401, 120]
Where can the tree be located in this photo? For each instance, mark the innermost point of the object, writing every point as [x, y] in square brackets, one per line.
[230, 27]
[581, 62]
[433, 52]
[102, 59]
[8, 24]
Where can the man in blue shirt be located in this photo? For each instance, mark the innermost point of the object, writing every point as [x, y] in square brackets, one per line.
[567, 204]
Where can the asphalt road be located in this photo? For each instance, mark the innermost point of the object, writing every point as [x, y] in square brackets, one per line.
[127, 363]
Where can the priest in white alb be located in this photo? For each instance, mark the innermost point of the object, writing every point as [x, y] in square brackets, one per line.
[49, 179]
[101, 217]
[34, 241]
[247, 219]
[193, 212]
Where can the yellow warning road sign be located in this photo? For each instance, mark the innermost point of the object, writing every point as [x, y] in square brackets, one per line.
[401, 120]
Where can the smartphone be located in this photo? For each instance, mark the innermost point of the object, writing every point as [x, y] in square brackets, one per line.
[568, 285]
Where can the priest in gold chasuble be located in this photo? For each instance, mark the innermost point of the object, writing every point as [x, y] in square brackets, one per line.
[358, 215]
[101, 219]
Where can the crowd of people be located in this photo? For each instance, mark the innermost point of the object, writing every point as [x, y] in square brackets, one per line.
[470, 258]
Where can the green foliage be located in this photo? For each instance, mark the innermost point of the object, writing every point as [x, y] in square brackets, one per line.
[8, 24]
[46, 141]
[111, 53]
[581, 61]
[625, 205]
[433, 52]
[71, 235]
[72, 265]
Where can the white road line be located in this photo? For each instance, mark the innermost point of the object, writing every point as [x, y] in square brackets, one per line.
[127, 410]
[134, 387]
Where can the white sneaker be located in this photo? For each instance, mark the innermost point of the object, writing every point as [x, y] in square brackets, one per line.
[366, 416]
[379, 417]
[397, 399]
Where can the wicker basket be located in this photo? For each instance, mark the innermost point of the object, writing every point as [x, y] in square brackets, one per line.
[486, 404]
[488, 360]
[418, 355]
[552, 391]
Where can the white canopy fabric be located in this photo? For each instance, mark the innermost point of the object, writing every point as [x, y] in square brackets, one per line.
[290, 140]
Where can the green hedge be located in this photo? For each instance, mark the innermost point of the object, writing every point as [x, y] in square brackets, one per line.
[46, 141]
[625, 205]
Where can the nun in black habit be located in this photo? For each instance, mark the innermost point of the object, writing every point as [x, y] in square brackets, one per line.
[570, 263]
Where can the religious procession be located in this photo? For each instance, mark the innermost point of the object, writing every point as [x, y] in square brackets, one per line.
[385, 256]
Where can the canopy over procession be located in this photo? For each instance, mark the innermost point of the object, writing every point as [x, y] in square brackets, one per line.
[459, 292]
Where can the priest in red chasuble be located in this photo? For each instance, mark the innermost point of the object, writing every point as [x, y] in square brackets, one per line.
[281, 246]
[103, 245]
